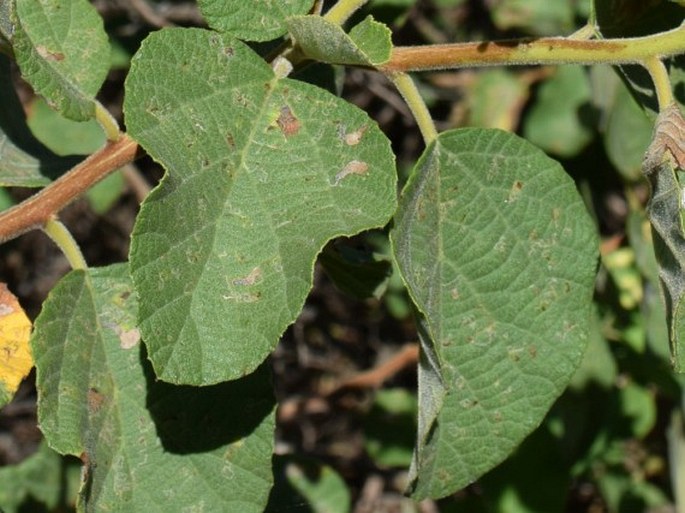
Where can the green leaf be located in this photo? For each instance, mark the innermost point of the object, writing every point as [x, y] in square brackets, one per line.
[634, 18]
[6, 25]
[496, 99]
[104, 194]
[262, 172]
[321, 486]
[499, 255]
[252, 21]
[562, 118]
[355, 272]
[6, 199]
[665, 160]
[598, 366]
[62, 50]
[628, 130]
[146, 445]
[64, 136]
[536, 17]
[39, 478]
[306, 485]
[390, 427]
[368, 44]
[24, 161]
[517, 484]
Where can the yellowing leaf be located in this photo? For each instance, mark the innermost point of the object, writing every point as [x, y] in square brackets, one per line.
[15, 355]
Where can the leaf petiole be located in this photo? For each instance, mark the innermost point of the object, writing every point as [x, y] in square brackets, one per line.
[407, 88]
[662, 84]
[61, 236]
[342, 11]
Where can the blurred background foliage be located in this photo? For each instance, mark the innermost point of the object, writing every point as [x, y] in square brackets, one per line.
[613, 442]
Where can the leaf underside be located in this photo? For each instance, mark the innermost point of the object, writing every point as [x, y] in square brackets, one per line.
[146, 445]
[499, 255]
[368, 44]
[261, 173]
[63, 51]
[665, 159]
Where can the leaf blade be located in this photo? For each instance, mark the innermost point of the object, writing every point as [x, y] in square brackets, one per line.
[367, 44]
[63, 52]
[492, 284]
[263, 177]
[250, 21]
[141, 440]
[15, 360]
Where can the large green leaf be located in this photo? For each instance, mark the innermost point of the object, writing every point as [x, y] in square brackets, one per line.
[146, 445]
[63, 52]
[262, 172]
[24, 161]
[252, 21]
[499, 255]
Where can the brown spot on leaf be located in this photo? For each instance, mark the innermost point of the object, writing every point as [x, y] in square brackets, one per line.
[129, 338]
[287, 122]
[49, 54]
[354, 167]
[250, 279]
[95, 400]
[354, 138]
[515, 190]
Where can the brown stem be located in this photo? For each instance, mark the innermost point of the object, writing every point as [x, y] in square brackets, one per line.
[35, 211]
[546, 50]
[374, 378]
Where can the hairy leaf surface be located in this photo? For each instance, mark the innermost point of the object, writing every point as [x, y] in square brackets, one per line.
[499, 255]
[262, 172]
[63, 52]
[252, 21]
[146, 445]
[663, 167]
[367, 44]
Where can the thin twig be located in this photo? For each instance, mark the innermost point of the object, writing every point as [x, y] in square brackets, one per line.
[374, 378]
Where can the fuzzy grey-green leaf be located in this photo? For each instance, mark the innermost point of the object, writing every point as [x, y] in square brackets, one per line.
[499, 255]
[63, 52]
[252, 21]
[664, 162]
[368, 44]
[146, 445]
[262, 172]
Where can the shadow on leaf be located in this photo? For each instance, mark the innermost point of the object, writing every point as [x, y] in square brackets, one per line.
[199, 419]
